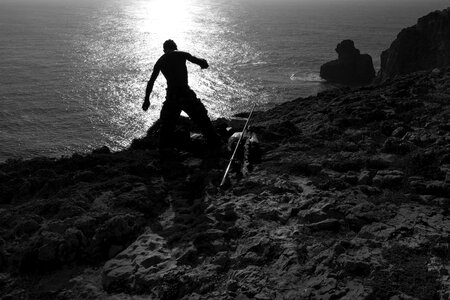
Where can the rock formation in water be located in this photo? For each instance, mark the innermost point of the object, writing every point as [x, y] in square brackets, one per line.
[424, 46]
[351, 67]
[351, 200]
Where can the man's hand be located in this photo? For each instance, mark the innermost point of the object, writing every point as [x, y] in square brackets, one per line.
[146, 104]
[204, 64]
[198, 61]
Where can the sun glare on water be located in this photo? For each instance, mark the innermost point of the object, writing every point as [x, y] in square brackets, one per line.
[164, 19]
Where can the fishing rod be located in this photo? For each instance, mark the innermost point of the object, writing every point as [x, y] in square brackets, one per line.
[237, 145]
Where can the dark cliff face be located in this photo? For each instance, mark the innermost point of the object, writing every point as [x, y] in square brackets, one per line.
[423, 46]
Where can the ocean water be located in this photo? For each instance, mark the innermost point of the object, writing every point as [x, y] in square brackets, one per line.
[73, 73]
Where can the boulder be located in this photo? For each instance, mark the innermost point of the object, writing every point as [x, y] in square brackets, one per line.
[2, 254]
[117, 232]
[351, 67]
[396, 146]
[26, 227]
[388, 178]
[424, 46]
[140, 267]
[328, 224]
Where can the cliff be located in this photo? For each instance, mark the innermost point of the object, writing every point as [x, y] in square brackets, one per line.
[351, 200]
[424, 46]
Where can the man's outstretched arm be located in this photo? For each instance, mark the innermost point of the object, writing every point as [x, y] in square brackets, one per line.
[198, 61]
[149, 88]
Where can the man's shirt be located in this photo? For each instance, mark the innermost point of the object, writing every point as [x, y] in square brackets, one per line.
[173, 67]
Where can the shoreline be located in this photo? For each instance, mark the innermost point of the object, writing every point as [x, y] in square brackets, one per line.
[330, 86]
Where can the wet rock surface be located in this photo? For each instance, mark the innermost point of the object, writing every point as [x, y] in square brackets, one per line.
[350, 201]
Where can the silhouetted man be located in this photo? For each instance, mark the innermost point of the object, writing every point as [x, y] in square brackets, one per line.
[179, 96]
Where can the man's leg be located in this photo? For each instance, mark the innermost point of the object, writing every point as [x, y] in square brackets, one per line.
[199, 115]
[168, 118]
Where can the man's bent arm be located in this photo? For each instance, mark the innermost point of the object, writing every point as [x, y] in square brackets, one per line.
[151, 82]
[198, 61]
[149, 88]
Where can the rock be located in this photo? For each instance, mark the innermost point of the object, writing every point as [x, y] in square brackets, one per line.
[378, 231]
[443, 202]
[102, 150]
[437, 188]
[146, 260]
[116, 277]
[279, 130]
[256, 252]
[305, 168]
[264, 295]
[139, 198]
[399, 132]
[222, 259]
[369, 190]
[2, 254]
[328, 224]
[75, 244]
[433, 187]
[313, 215]
[26, 227]
[350, 68]
[354, 266]
[16, 294]
[86, 224]
[396, 146]
[210, 241]
[381, 162]
[388, 178]
[188, 257]
[45, 173]
[364, 178]
[69, 210]
[5, 279]
[350, 178]
[48, 252]
[117, 231]
[56, 226]
[85, 176]
[51, 250]
[364, 213]
[423, 46]
[345, 165]
[242, 297]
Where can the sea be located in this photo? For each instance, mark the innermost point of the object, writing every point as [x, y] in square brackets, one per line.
[73, 73]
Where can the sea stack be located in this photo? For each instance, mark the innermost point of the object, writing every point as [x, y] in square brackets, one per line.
[424, 46]
[351, 67]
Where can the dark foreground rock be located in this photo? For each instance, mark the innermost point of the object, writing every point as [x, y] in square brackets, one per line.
[351, 200]
[351, 67]
[424, 46]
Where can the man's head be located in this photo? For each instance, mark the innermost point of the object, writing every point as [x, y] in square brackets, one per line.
[169, 46]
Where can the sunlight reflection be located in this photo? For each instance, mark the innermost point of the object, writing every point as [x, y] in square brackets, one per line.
[198, 29]
[165, 19]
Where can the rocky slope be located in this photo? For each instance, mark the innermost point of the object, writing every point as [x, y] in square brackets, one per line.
[423, 46]
[351, 201]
